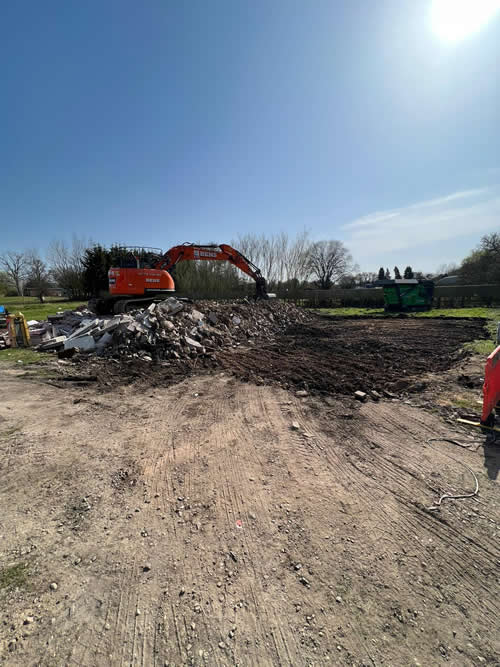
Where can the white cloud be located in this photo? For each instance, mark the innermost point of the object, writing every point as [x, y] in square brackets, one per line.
[445, 219]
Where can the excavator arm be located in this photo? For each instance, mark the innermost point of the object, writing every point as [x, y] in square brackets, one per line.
[222, 252]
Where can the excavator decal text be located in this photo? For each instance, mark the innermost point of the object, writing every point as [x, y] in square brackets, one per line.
[205, 253]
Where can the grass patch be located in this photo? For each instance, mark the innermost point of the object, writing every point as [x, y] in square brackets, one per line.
[467, 404]
[14, 576]
[482, 347]
[22, 356]
[483, 313]
[32, 309]
[486, 347]
[350, 312]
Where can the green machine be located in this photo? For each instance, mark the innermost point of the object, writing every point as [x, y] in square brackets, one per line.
[411, 294]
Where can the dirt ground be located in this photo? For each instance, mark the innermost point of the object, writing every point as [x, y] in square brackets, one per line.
[346, 355]
[326, 356]
[222, 522]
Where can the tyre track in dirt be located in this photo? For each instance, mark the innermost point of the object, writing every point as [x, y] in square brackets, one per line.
[460, 554]
[245, 410]
[335, 560]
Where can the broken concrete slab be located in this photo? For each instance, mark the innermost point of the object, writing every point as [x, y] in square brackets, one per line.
[83, 343]
[361, 396]
[171, 305]
[86, 328]
[105, 340]
[110, 325]
[53, 344]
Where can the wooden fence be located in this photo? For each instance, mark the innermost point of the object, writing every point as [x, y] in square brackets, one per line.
[451, 296]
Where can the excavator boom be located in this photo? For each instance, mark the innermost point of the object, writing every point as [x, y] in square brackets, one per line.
[222, 252]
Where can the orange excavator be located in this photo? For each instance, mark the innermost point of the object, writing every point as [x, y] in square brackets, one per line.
[143, 276]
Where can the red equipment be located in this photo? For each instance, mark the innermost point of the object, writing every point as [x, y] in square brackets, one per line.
[491, 388]
[135, 283]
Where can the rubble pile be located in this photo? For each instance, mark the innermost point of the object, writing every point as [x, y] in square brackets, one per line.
[169, 330]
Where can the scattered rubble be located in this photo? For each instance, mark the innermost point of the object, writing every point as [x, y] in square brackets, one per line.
[168, 331]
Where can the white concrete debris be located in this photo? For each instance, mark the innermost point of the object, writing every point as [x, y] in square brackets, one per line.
[83, 343]
[167, 331]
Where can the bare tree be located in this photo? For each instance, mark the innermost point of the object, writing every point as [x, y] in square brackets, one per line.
[365, 277]
[38, 276]
[447, 269]
[280, 258]
[15, 265]
[67, 266]
[5, 283]
[328, 262]
[491, 243]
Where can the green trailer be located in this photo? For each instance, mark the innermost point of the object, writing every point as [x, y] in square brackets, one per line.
[407, 295]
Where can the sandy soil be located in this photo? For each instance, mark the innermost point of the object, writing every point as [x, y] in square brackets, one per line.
[193, 525]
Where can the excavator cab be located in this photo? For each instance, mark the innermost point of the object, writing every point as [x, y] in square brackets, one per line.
[139, 257]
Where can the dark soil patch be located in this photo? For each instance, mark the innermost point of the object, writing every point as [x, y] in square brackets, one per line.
[330, 356]
[346, 355]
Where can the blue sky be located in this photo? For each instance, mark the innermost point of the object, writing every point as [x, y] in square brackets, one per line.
[159, 122]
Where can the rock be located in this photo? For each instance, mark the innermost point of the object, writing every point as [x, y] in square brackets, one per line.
[53, 586]
[295, 426]
[137, 612]
[375, 395]
[301, 393]
[168, 325]
[252, 516]
[338, 599]
[28, 620]
[222, 645]
[193, 343]
[305, 582]
[361, 396]
[298, 566]
[196, 316]
[146, 567]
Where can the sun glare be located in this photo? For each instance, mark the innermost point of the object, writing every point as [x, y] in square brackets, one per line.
[453, 20]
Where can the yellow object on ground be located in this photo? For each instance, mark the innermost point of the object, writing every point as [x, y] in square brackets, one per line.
[478, 424]
[18, 331]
